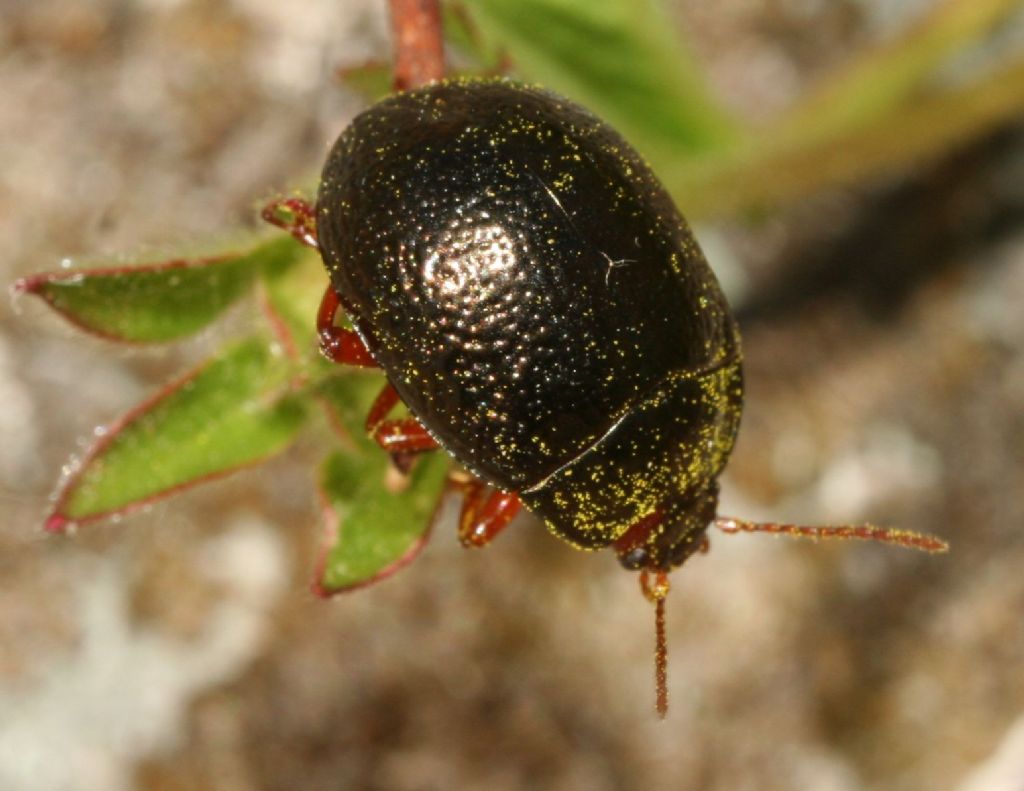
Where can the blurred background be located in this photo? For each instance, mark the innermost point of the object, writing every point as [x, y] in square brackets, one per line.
[181, 648]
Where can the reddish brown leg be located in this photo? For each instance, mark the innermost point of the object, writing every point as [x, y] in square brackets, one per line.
[401, 436]
[336, 343]
[339, 344]
[484, 514]
[295, 216]
[386, 400]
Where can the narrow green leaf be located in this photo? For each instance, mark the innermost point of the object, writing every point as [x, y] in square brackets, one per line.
[883, 77]
[371, 80]
[373, 529]
[617, 57]
[164, 301]
[378, 530]
[292, 296]
[235, 410]
[461, 34]
[348, 394]
[785, 169]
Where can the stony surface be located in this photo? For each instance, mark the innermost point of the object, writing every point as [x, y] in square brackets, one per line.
[180, 648]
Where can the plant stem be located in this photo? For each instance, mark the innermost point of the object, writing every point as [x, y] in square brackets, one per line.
[419, 48]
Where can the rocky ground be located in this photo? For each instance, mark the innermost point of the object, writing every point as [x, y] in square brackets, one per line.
[180, 648]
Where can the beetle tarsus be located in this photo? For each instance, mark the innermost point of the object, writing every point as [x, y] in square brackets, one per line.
[484, 515]
[295, 215]
[403, 436]
[398, 437]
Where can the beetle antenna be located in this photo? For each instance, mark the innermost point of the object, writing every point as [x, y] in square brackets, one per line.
[886, 535]
[656, 593]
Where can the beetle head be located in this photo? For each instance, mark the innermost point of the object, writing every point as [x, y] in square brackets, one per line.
[659, 542]
[667, 536]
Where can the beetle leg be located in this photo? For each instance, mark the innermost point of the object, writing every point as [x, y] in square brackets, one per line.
[339, 344]
[386, 400]
[296, 216]
[401, 436]
[485, 515]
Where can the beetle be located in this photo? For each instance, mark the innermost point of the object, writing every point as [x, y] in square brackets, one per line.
[539, 304]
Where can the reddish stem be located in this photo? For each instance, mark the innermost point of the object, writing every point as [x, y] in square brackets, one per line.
[419, 48]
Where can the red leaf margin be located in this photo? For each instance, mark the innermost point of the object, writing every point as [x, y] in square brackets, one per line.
[284, 335]
[33, 286]
[331, 534]
[279, 327]
[58, 523]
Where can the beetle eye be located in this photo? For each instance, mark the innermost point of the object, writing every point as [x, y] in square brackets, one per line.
[634, 559]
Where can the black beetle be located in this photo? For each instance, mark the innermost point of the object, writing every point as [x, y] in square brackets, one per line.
[541, 307]
[538, 303]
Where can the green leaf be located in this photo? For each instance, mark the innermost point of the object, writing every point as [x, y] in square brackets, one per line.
[348, 394]
[784, 169]
[236, 410]
[373, 529]
[377, 530]
[620, 59]
[292, 296]
[160, 301]
[371, 80]
[883, 77]
[462, 35]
